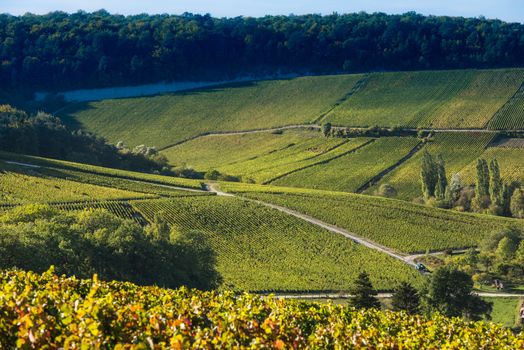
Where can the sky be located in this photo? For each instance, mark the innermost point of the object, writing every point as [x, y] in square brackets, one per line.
[507, 10]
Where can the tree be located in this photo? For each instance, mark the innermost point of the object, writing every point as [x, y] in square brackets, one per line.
[455, 186]
[506, 248]
[517, 203]
[495, 184]
[326, 129]
[406, 298]
[450, 293]
[386, 190]
[442, 182]
[428, 175]
[482, 183]
[364, 296]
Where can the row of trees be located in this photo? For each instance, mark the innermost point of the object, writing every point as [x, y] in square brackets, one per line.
[490, 194]
[45, 135]
[91, 242]
[448, 292]
[59, 50]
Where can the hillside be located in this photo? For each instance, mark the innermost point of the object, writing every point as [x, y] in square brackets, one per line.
[170, 118]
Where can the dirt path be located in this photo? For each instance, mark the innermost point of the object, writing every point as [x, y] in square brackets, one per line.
[326, 296]
[212, 187]
[318, 127]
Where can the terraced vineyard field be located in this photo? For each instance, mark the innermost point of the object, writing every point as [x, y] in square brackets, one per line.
[263, 249]
[403, 226]
[511, 115]
[97, 170]
[166, 119]
[441, 99]
[262, 157]
[511, 162]
[457, 149]
[20, 185]
[350, 172]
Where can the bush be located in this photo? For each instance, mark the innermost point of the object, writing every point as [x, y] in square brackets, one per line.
[386, 190]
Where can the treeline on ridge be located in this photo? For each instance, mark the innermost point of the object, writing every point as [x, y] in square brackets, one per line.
[59, 50]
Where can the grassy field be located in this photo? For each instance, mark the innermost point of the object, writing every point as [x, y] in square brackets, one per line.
[21, 185]
[351, 171]
[511, 162]
[511, 115]
[457, 149]
[504, 310]
[438, 99]
[401, 225]
[263, 249]
[166, 119]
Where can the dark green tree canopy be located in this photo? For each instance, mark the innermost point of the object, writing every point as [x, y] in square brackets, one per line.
[450, 292]
[406, 298]
[364, 296]
[59, 50]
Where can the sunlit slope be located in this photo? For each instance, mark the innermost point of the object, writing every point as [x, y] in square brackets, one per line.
[351, 171]
[166, 119]
[401, 225]
[457, 150]
[260, 157]
[263, 249]
[432, 99]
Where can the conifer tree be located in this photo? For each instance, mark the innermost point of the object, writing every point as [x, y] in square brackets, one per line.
[364, 296]
[495, 184]
[406, 298]
[482, 185]
[428, 175]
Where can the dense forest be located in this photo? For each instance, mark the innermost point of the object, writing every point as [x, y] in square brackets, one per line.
[59, 50]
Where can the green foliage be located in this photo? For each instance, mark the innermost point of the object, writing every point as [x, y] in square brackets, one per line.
[363, 294]
[326, 129]
[495, 184]
[386, 190]
[406, 298]
[458, 150]
[95, 241]
[482, 183]
[396, 224]
[450, 292]
[428, 175]
[40, 311]
[262, 249]
[517, 203]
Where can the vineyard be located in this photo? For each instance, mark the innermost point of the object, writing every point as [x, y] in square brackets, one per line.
[351, 171]
[457, 149]
[19, 185]
[511, 115]
[259, 249]
[400, 225]
[260, 157]
[122, 209]
[48, 311]
[511, 162]
[116, 173]
[445, 99]
[166, 119]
